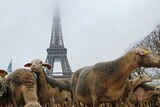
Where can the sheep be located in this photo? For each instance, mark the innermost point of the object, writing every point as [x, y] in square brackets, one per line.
[143, 94]
[21, 89]
[50, 90]
[66, 95]
[45, 93]
[69, 99]
[5, 93]
[130, 85]
[105, 82]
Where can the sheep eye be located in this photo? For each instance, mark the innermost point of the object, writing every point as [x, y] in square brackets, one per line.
[40, 62]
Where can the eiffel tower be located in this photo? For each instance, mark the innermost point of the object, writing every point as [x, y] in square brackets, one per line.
[56, 51]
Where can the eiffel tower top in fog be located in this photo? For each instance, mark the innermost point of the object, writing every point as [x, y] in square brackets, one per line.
[56, 35]
[56, 51]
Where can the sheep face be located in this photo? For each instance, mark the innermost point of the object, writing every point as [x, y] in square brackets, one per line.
[145, 78]
[37, 66]
[147, 58]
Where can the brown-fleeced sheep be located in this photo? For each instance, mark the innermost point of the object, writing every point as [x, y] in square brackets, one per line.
[130, 85]
[140, 80]
[21, 89]
[5, 94]
[66, 97]
[69, 98]
[49, 89]
[142, 94]
[45, 93]
[105, 82]
[59, 89]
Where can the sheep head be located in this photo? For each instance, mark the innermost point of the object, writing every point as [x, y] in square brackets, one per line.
[37, 65]
[146, 57]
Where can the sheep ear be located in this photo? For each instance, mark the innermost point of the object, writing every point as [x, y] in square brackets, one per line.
[3, 73]
[142, 52]
[28, 65]
[47, 65]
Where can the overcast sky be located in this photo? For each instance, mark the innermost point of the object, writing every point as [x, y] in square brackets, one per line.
[93, 30]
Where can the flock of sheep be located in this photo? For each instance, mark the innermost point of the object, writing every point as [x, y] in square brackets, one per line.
[104, 84]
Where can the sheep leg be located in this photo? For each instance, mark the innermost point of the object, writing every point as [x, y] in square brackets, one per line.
[52, 102]
[29, 95]
[61, 105]
[13, 100]
[128, 103]
[141, 103]
[113, 104]
[95, 101]
[77, 102]
[118, 103]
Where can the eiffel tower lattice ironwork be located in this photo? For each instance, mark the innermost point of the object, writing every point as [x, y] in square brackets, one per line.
[56, 51]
